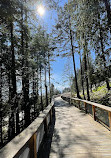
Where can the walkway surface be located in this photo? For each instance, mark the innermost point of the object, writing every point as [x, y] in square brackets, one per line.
[77, 135]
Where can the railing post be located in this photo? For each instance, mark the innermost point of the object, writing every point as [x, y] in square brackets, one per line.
[94, 112]
[109, 113]
[75, 103]
[35, 145]
[79, 104]
[32, 146]
[85, 105]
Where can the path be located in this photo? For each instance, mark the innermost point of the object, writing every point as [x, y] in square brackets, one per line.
[77, 135]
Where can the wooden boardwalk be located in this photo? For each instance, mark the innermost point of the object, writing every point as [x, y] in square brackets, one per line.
[77, 135]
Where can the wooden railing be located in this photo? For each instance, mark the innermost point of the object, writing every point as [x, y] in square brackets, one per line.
[27, 143]
[100, 113]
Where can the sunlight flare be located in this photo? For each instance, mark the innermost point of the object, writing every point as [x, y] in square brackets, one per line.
[41, 10]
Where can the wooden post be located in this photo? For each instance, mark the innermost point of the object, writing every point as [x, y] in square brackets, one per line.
[79, 105]
[94, 112]
[35, 145]
[75, 103]
[85, 105]
[32, 146]
[109, 113]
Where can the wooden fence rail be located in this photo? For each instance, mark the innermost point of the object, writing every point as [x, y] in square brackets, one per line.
[27, 143]
[100, 113]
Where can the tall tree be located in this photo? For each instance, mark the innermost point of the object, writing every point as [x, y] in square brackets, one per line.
[66, 37]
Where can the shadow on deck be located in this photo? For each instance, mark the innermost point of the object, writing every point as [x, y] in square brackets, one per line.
[74, 134]
[44, 150]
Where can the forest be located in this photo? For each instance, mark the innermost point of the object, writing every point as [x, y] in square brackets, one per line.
[27, 50]
[84, 28]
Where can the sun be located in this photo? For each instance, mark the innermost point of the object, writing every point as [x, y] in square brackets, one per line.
[41, 10]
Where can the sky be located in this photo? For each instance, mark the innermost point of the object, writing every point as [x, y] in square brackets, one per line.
[59, 66]
[47, 21]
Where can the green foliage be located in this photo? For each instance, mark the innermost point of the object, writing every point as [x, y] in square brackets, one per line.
[100, 88]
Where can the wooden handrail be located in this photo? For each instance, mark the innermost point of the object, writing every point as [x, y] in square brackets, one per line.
[94, 106]
[27, 143]
[106, 108]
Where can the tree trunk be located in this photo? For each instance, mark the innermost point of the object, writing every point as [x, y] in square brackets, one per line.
[42, 108]
[91, 87]
[34, 94]
[49, 79]
[13, 89]
[23, 56]
[33, 87]
[103, 57]
[1, 134]
[37, 88]
[86, 73]
[107, 5]
[46, 94]
[72, 48]
[17, 122]
[11, 132]
[1, 119]
[13, 73]
[87, 82]
[26, 94]
[82, 81]
[9, 85]
[22, 51]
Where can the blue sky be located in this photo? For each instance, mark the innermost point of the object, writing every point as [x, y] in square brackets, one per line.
[59, 65]
[48, 20]
[60, 71]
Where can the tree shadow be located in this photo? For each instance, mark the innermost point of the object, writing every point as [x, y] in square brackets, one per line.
[61, 103]
[45, 146]
[69, 140]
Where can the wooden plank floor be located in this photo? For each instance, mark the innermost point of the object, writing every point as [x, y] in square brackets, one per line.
[77, 135]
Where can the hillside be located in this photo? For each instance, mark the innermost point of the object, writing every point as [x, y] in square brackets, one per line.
[99, 94]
